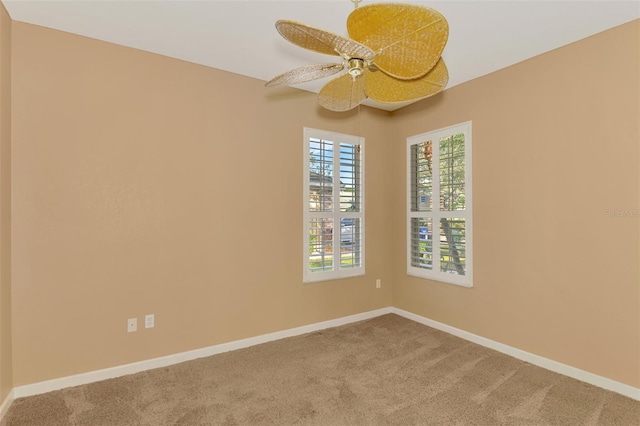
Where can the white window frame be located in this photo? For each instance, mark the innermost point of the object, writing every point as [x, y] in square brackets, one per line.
[336, 215]
[435, 214]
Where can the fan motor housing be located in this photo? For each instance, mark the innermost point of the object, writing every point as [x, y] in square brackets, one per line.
[356, 67]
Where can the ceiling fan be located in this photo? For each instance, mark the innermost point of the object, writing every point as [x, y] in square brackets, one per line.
[393, 55]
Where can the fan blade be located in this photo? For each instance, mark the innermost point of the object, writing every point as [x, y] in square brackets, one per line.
[342, 93]
[322, 41]
[304, 74]
[381, 87]
[408, 39]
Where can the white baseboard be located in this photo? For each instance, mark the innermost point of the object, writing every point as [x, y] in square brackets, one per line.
[136, 367]
[122, 370]
[4, 407]
[540, 361]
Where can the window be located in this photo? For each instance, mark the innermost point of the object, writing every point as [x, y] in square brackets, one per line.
[439, 215]
[333, 205]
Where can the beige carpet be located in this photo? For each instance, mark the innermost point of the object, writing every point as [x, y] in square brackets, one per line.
[383, 371]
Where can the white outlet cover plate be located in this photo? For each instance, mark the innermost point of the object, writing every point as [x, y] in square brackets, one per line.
[132, 325]
[149, 321]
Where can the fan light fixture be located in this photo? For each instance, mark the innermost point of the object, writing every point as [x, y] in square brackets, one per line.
[393, 55]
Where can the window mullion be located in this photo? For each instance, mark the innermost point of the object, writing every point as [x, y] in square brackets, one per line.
[435, 204]
[435, 245]
[336, 206]
[320, 215]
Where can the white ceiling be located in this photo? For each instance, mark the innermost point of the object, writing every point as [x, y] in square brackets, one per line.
[239, 36]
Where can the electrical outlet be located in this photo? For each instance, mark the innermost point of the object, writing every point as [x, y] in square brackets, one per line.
[132, 325]
[378, 283]
[149, 321]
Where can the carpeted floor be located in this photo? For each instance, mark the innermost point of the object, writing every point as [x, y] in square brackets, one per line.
[383, 371]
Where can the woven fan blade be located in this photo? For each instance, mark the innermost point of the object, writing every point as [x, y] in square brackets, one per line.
[304, 74]
[322, 41]
[408, 39]
[342, 93]
[381, 87]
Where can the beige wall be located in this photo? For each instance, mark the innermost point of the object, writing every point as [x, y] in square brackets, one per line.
[555, 145]
[145, 184]
[6, 375]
